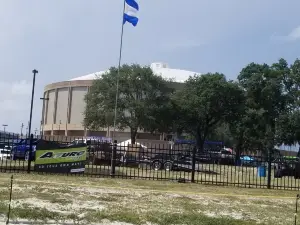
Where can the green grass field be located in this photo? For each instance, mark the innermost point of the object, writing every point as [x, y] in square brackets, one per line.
[84, 200]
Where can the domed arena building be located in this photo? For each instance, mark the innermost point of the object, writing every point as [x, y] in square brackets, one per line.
[64, 106]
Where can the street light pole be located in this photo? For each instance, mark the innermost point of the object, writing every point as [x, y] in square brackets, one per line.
[32, 97]
[30, 119]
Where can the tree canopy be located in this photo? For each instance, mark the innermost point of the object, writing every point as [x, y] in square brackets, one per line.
[142, 95]
[255, 112]
[204, 102]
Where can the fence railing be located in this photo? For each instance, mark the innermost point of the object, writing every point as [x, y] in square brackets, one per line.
[164, 161]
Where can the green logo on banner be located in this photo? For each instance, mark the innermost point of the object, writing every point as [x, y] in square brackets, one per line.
[60, 156]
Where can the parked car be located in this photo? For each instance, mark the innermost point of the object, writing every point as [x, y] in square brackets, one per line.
[287, 167]
[5, 153]
[225, 157]
[99, 153]
[247, 160]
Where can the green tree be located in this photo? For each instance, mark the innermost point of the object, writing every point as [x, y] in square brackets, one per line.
[247, 130]
[222, 133]
[141, 96]
[204, 102]
[287, 129]
[288, 124]
[268, 92]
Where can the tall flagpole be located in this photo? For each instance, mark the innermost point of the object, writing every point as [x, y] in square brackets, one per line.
[118, 75]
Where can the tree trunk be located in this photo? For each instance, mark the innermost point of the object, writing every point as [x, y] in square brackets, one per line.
[133, 133]
[238, 149]
[200, 143]
[238, 153]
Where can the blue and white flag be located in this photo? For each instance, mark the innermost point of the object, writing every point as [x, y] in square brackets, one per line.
[130, 13]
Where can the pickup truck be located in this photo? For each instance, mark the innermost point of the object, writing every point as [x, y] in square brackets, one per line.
[21, 150]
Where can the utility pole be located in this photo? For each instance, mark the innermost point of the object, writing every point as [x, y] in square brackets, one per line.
[4, 126]
[22, 125]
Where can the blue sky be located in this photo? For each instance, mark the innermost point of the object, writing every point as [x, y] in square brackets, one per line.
[64, 39]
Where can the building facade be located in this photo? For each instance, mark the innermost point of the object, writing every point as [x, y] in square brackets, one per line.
[63, 111]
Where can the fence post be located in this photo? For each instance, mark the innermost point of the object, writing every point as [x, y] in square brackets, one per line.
[30, 153]
[193, 164]
[269, 169]
[113, 160]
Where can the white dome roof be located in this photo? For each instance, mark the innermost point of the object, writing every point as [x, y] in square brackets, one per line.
[161, 69]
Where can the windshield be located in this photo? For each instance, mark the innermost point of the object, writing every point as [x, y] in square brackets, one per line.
[27, 141]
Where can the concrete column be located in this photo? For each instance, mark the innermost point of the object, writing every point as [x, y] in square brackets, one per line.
[55, 106]
[46, 108]
[43, 111]
[69, 108]
[69, 104]
[66, 130]
[84, 127]
[52, 130]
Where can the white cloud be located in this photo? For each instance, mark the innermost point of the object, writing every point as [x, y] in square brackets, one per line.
[294, 35]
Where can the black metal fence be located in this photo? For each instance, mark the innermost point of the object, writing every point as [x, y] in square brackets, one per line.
[150, 160]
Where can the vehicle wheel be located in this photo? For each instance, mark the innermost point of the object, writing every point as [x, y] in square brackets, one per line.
[156, 165]
[168, 166]
[27, 156]
[278, 173]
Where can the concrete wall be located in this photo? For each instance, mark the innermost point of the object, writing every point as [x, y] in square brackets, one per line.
[62, 106]
[50, 107]
[77, 104]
